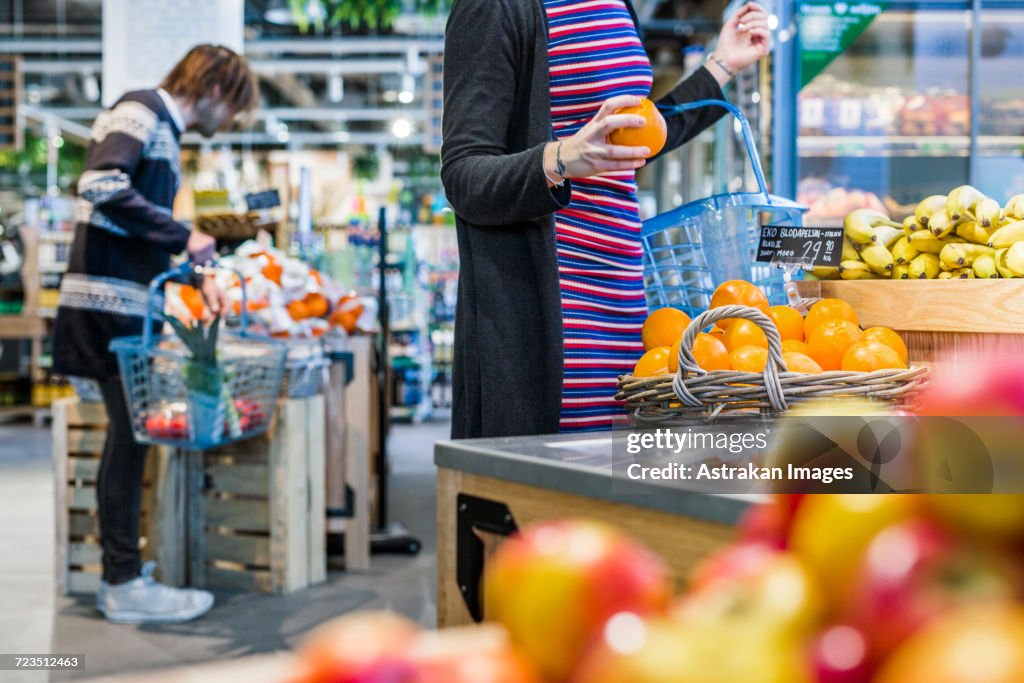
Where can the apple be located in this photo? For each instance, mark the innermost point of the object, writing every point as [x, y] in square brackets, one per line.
[971, 645]
[366, 647]
[769, 521]
[990, 516]
[839, 654]
[555, 584]
[916, 571]
[470, 654]
[831, 532]
[737, 561]
[633, 649]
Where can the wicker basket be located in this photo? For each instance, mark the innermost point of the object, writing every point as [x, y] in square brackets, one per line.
[694, 393]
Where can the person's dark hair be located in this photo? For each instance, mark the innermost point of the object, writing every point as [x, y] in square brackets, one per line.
[206, 66]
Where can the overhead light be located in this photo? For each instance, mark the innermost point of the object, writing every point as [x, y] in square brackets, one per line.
[408, 92]
[335, 88]
[773, 22]
[390, 96]
[341, 136]
[91, 87]
[283, 136]
[401, 128]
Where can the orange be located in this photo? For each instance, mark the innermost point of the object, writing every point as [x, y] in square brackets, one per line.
[316, 304]
[709, 352]
[663, 327]
[272, 271]
[828, 309]
[795, 346]
[193, 300]
[799, 362]
[298, 310]
[652, 363]
[744, 333]
[749, 359]
[789, 321]
[346, 319]
[888, 337]
[868, 356]
[317, 277]
[830, 341]
[741, 293]
[653, 135]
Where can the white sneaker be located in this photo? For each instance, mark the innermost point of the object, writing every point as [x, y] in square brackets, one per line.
[144, 601]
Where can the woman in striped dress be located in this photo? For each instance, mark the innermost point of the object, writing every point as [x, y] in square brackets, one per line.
[512, 66]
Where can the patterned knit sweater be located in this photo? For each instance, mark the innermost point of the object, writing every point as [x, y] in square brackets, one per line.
[125, 234]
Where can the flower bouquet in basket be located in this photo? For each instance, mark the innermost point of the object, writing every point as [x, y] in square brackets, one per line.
[211, 407]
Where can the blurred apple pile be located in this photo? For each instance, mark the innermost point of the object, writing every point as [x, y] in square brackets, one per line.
[284, 295]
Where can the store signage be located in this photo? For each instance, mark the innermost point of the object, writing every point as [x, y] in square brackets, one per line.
[806, 246]
[827, 28]
[143, 39]
[268, 199]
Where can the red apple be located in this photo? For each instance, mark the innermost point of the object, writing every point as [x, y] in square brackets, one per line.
[555, 584]
[472, 654]
[971, 645]
[729, 564]
[366, 647]
[997, 517]
[769, 521]
[840, 655]
[914, 572]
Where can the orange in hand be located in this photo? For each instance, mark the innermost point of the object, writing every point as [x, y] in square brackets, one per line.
[888, 337]
[709, 352]
[744, 333]
[789, 321]
[868, 356]
[830, 341]
[652, 363]
[663, 327]
[739, 293]
[799, 362]
[653, 135]
[828, 309]
[749, 359]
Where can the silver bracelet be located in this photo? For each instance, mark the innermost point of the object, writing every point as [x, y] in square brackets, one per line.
[552, 181]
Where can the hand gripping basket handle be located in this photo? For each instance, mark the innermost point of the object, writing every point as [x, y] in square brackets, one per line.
[748, 137]
[184, 269]
[774, 366]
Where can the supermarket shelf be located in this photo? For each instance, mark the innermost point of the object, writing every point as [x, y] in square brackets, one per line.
[904, 145]
[21, 327]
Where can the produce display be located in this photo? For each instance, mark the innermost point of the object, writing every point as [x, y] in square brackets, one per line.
[829, 337]
[962, 235]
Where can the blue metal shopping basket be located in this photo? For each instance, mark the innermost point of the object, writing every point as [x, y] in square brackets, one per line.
[692, 249]
[165, 410]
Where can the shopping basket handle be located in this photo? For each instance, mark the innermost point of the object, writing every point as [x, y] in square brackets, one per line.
[186, 268]
[748, 137]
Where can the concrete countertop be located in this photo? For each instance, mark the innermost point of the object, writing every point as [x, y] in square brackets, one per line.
[582, 465]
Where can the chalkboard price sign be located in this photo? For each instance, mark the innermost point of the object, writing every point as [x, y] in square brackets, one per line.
[800, 246]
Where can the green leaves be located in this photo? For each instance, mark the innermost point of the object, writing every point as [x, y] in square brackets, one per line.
[202, 373]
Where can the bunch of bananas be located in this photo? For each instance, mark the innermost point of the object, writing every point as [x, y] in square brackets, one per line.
[962, 235]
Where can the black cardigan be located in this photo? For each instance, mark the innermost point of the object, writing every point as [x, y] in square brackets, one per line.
[507, 376]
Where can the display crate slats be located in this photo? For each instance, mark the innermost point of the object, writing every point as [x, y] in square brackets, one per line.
[246, 480]
[246, 550]
[245, 515]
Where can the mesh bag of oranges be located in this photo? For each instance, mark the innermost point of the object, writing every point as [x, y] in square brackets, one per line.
[744, 355]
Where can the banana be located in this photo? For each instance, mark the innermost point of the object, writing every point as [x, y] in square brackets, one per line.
[945, 275]
[1007, 235]
[924, 241]
[1001, 266]
[963, 274]
[901, 272]
[927, 207]
[959, 201]
[986, 211]
[903, 251]
[1015, 259]
[941, 223]
[860, 224]
[973, 232]
[985, 266]
[887, 236]
[956, 256]
[924, 266]
[825, 273]
[910, 225]
[1015, 207]
[855, 270]
[850, 252]
[878, 258]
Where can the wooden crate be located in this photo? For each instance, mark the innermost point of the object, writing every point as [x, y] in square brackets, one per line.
[940, 320]
[79, 433]
[256, 509]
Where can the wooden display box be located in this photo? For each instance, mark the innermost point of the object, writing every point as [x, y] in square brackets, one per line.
[940, 320]
[256, 509]
[79, 432]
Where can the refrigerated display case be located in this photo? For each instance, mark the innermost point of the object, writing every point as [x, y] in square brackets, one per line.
[874, 101]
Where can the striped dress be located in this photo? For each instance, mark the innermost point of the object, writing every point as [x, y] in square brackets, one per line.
[595, 53]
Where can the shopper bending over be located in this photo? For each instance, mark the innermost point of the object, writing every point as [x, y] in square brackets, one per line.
[551, 292]
[124, 237]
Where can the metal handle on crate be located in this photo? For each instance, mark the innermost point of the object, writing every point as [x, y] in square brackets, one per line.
[748, 137]
[186, 268]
